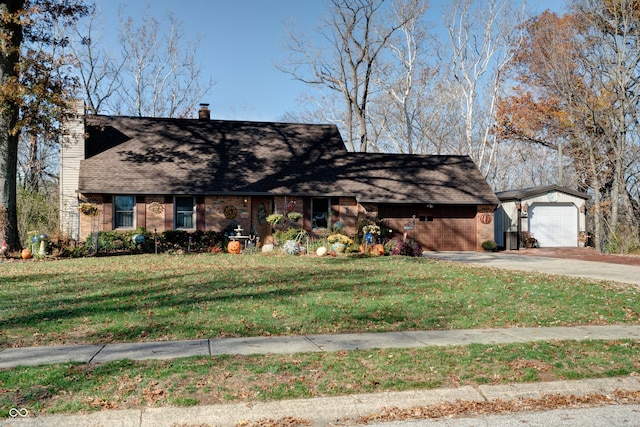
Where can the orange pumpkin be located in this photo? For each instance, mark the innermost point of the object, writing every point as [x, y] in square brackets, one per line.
[26, 253]
[234, 247]
[485, 218]
[378, 248]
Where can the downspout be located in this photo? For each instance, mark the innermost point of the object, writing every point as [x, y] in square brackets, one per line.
[519, 224]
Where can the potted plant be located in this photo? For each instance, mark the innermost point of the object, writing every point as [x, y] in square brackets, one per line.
[371, 229]
[294, 216]
[275, 219]
[88, 209]
[339, 242]
[583, 238]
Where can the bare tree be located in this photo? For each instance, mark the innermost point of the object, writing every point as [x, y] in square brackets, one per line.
[161, 75]
[155, 72]
[402, 81]
[98, 68]
[483, 36]
[356, 33]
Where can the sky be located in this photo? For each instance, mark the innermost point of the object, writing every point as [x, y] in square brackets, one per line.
[242, 41]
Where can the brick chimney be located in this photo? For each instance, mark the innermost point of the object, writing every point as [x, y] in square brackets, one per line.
[204, 113]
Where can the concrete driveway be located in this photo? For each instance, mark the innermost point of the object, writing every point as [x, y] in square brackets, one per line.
[512, 260]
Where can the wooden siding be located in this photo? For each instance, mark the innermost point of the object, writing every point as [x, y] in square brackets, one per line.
[70, 157]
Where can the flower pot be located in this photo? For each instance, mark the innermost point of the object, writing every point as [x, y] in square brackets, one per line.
[338, 247]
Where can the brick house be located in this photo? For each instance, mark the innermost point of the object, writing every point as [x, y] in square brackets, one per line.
[203, 174]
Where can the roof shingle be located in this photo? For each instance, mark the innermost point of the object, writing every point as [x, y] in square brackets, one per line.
[132, 155]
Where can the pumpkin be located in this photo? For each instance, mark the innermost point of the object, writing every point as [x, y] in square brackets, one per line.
[485, 218]
[26, 253]
[378, 248]
[321, 251]
[234, 247]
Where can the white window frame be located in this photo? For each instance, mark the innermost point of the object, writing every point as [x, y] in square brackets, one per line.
[116, 224]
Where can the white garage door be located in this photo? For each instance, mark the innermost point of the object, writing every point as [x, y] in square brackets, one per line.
[554, 225]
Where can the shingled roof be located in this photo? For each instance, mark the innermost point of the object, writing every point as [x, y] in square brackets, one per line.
[523, 193]
[133, 155]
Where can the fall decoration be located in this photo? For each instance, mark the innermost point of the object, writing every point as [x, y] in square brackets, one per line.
[230, 212]
[234, 247]
[88, 209]
[485, 218]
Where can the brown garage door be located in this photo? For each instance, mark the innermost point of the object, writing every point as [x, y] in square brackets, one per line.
[441, 228]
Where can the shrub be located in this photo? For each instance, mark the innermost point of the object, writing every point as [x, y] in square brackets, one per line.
[109, 242]
[489, 245]
[196, 241]
[409, 248]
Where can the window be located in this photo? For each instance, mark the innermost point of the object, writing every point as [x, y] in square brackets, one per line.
[184, 212]
[320, 213]
[123, 206]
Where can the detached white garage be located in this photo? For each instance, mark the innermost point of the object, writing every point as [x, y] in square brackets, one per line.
[554, 216]
[554, 225]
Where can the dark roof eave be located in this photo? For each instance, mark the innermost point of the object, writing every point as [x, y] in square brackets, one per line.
[430, 202]
[212, 193]
[523, 193]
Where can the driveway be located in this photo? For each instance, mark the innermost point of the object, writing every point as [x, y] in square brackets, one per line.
[580, 262]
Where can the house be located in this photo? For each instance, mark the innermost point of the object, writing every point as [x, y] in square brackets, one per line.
[552, 215]
[203, 174]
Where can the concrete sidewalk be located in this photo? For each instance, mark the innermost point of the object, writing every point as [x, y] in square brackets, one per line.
[319, 411]
[99, 353]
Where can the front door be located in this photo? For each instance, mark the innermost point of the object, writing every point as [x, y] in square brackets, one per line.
[261, 207]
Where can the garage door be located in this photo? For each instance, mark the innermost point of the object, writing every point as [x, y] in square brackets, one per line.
[441, 228]
[554, 225]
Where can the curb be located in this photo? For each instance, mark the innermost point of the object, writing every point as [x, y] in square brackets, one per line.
[323, 411]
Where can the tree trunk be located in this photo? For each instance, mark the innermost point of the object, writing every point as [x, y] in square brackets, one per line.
[9, 58]
[595, 186]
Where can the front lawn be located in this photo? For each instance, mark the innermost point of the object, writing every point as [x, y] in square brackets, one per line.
[163, 297]
[126, 384]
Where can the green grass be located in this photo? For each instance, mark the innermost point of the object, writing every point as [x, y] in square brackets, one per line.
[160, 297]
[198, 380]
[147, 297]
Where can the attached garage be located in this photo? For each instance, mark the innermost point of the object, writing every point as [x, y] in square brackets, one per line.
[554, 216]
[435, 228]
[554, 225]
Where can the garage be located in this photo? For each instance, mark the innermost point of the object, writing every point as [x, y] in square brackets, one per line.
[438, 228]
[554, 225]
[554, 215]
